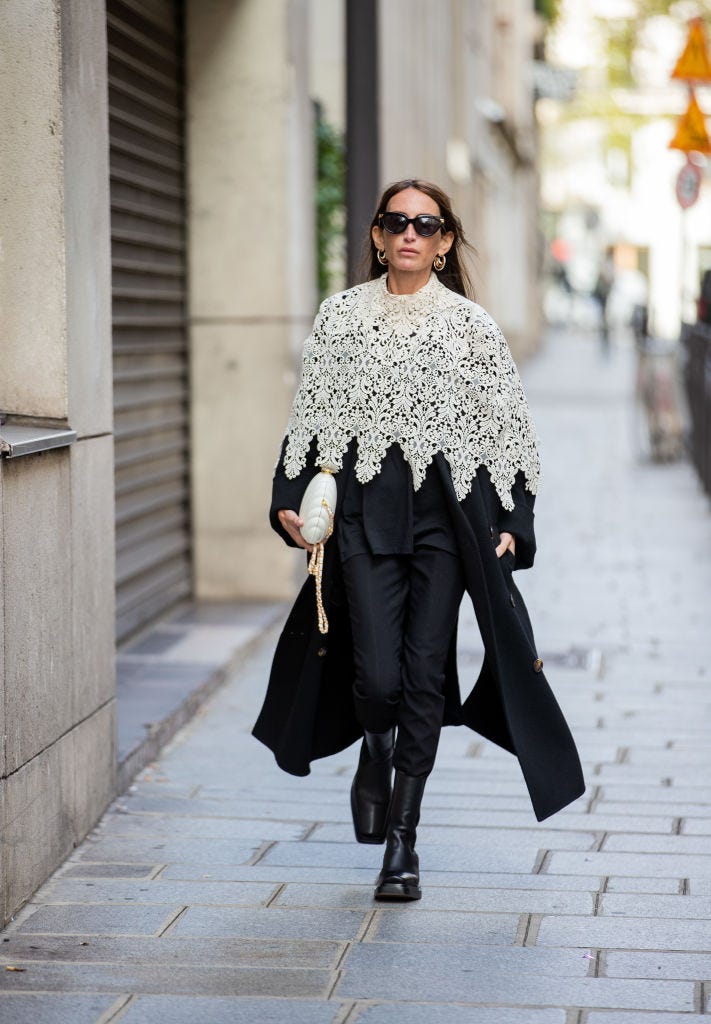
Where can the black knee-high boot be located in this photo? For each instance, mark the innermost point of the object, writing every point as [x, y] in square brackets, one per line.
[372, 787]
[400, 875]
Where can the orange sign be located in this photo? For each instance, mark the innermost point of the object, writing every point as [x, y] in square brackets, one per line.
[691, 134]
[694, 63]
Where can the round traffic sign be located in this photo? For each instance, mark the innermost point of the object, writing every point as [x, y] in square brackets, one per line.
[688, 184]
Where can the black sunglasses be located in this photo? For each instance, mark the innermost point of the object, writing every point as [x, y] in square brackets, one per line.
[425, 224]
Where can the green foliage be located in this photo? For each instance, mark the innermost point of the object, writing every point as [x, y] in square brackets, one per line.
[330, 201]
[547, 9]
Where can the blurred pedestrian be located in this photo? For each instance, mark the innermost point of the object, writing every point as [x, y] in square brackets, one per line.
[601, 294]
[409, 392]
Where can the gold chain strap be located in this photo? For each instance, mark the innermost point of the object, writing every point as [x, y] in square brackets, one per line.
[316, 570]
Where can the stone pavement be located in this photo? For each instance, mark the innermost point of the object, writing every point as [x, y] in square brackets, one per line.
[220, 890]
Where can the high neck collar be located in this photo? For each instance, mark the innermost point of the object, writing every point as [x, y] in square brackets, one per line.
[421, 300]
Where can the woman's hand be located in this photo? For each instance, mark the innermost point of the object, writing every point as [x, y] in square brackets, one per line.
[292, 524]
[507, 542]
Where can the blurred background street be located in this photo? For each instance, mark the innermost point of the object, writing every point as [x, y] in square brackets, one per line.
[184, 182]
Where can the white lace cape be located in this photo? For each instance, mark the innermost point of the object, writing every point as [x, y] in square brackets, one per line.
[429, 371]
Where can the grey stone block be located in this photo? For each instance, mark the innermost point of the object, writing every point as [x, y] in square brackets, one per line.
[476, 838]
[658, 844]
[170, 949]
[188, 1009]
[366, 876]
[442, 898]
[625, 933]
[159, 849]
[97, 920]
[365, 978]
[643, 1018]
[698, 826]
[638, 905]
[160, 980]
[246, 894]
[52, 1008]
[608, 863]
[682, 966]
[432, 857]
[432, 926]
[651, 885]
[205, 828]
[272, 923]
[439, 960]
[80, 870]
[38, 699]
[443, 1013]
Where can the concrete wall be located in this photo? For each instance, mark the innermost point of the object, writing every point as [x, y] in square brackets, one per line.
[251, 269]
[57, 761]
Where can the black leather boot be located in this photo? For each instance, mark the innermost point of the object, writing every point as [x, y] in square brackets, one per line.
[372, 787]
[400, 876]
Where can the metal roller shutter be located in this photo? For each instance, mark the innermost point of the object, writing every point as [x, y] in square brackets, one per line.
[146, 118]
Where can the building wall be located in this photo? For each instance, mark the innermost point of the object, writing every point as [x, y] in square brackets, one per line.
[58, 749]
[457, 108]
[252, 289]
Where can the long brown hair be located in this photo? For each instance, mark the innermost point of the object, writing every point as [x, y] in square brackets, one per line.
[455, 274]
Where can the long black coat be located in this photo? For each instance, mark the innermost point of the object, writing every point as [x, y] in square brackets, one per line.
[308, 709]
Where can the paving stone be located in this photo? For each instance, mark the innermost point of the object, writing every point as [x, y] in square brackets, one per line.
[52, 1008]
[689, 966]
[171, 949]
[72, 919]
[697, 826]
[432, 926]
[484, 838]
[651, 807]
[658, 885]
[442, 1013]
[161, 979]
[166, 848]
[108, 870]
[625, 933]
[189, 1009]
[643, 1018]
[246, 894]
[440, 959]
[683, 865]
[432, 857]
[658, 844]
[277, 923]
[206, 828]
[442, 898]
[637, 905]
[367, 977]
[366, 876]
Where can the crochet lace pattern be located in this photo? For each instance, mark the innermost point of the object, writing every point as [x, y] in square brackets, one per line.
[429, 371]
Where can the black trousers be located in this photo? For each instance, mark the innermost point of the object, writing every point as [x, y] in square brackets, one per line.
[403, 609]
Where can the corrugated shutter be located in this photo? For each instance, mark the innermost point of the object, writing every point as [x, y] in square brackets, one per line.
[146, 120]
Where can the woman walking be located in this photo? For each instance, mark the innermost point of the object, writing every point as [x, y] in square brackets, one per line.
[410, 396]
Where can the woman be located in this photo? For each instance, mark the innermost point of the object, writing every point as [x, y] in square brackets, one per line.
[409, 390]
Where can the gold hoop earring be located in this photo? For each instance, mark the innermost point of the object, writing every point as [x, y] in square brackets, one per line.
[439, 262]
[382, 258]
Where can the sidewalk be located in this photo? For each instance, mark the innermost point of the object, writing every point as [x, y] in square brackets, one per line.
[223, 891]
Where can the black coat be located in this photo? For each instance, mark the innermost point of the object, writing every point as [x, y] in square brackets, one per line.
[308, 709]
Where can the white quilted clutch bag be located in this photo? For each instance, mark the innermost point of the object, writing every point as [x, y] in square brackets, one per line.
[318, 506]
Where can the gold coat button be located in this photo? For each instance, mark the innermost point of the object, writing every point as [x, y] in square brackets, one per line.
[537, 665]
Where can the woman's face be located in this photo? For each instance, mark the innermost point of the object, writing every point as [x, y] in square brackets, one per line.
[410, 251]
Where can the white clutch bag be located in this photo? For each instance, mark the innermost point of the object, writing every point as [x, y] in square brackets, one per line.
[318, 506]
[317, 509]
